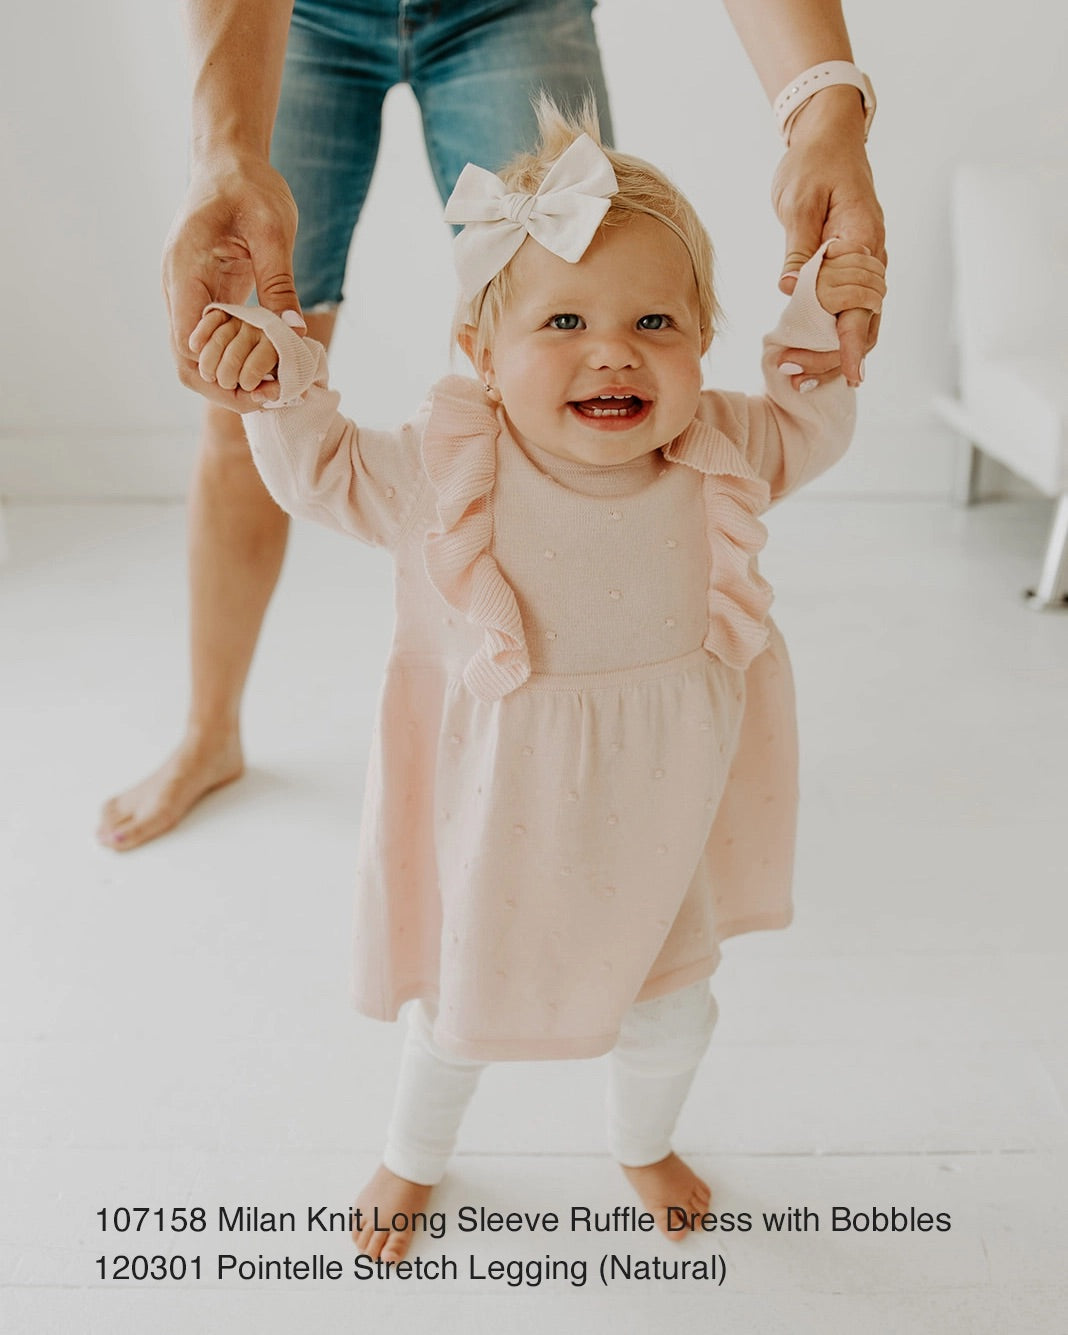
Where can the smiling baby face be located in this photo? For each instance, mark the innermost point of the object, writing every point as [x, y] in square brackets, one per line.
[600, 362]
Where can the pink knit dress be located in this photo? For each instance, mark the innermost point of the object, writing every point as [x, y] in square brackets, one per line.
[584, 771]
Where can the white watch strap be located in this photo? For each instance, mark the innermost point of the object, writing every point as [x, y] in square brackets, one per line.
[797, 92]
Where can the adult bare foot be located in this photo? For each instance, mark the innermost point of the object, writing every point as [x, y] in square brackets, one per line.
[670, 1183]
[386, 1206]
[158, 803]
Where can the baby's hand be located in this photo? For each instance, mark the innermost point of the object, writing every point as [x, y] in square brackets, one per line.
[848, 280]
[236, 358]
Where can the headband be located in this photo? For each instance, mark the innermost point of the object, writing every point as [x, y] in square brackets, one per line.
[562, 215]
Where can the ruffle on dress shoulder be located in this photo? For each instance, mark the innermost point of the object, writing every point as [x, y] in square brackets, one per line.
[738, 596]
[460, 457]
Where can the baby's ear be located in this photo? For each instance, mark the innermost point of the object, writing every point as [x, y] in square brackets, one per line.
[467, 338]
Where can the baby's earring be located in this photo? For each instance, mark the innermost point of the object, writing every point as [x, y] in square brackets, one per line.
[492, 392]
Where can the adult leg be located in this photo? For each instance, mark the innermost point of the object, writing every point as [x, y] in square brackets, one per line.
[476, 65]
[651, 1070]
[237, 539]
[338, 68]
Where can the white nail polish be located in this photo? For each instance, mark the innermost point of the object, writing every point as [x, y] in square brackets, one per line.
[790, 368]
[862, 361]
[806, 386]
[294, 319]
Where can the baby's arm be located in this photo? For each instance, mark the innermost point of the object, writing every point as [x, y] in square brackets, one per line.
[789, 437]
[315, 462]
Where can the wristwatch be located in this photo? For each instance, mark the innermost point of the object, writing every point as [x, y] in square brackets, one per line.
[811, 81]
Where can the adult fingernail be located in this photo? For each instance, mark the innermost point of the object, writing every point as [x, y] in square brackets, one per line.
[790, 368]
[862, 361]
[294, 319]
[807, 385]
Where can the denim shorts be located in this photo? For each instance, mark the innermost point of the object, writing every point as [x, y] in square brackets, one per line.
[473, 66]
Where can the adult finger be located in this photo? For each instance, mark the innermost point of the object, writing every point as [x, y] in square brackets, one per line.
[802, 366]
[185, 306]
[804, 236]
[842, 245]
[276, 288]
[853, 341]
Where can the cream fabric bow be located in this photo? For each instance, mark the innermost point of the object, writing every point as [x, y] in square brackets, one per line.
[563, 215]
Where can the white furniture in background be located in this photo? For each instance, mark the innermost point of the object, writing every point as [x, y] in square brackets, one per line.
[1010, 267]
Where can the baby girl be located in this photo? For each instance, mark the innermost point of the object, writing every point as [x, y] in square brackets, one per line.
[583, 775]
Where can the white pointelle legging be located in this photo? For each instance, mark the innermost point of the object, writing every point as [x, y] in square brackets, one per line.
[651, 1069]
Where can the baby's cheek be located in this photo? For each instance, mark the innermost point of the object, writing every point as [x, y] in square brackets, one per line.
[689, 385]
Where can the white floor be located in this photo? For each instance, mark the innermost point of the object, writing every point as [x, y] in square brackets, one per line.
[176, 1030]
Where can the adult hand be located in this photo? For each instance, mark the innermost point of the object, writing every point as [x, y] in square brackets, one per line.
[822, 188]
[234, 232]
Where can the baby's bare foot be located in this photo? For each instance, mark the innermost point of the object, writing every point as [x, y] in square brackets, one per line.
[159, 802]
[670, 1183]
[388, 1200]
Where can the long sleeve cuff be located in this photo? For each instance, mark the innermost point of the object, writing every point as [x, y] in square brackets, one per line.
[804, 323]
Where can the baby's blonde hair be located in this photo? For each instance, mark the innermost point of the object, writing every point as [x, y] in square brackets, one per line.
[642, 190]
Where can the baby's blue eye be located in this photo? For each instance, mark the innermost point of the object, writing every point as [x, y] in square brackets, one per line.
[564, 322]
[654, 322]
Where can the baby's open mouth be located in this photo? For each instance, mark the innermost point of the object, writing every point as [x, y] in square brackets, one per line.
[610, 405]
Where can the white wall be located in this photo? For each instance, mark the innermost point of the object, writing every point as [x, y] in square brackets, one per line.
[93, 143]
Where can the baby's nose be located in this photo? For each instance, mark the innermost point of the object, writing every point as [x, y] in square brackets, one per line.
[613, 352]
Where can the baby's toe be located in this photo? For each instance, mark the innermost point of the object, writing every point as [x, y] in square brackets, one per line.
[367, 1241]
[395, 1246]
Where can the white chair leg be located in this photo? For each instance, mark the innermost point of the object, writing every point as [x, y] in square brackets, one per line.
[966, 474]
[1052, 588]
